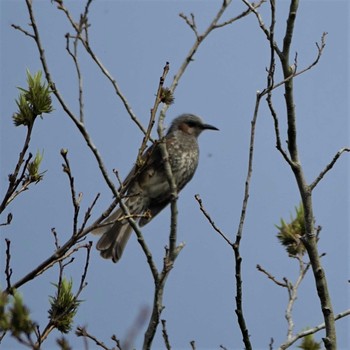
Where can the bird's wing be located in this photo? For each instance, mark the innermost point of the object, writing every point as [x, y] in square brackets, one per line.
[148, 159]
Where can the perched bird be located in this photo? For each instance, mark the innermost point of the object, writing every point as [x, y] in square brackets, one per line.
[148, 191]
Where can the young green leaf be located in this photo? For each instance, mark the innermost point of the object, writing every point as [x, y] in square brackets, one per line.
[32, 102]
[64, 306]
[33, 168]
[290, 233]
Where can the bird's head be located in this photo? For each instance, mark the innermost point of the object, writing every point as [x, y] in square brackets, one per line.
[190, 124]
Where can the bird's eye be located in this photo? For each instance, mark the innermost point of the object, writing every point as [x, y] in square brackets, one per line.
[191, 124]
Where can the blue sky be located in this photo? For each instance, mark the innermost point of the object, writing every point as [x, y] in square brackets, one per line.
[134, 39]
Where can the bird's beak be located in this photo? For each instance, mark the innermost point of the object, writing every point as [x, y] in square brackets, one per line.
[209, 127]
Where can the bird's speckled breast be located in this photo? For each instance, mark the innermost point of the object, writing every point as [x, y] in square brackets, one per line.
[183, 159]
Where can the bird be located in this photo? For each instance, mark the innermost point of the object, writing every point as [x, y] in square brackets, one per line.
[147, 188]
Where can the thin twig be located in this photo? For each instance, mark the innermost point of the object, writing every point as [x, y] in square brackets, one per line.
[277, 130]
[154, 109]
[88, 213]
[212, 223]
[22, 30]
[309, 331]
[309, 238]
[236, 246]
[67, 254]
[200, 38]
[138, 233]
[8, 269]
[165, 335]
[63, 104]
[262, 24]
[172, 252]
[294, 72]
[191, 23]
[328, 167]
[83, 282]
[117, 342]
[271, 277]
[64, 251]
[105, 72]
[8, 220]
[74, 56]
[75, 199]
[241, 15]
[15, 179]
[293, 292]
[82, 332]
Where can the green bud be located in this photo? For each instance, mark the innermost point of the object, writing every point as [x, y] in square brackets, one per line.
[166, 96]
[33, 168]
[308, 343]
[290, 234]
[33, 102]
[64, 306]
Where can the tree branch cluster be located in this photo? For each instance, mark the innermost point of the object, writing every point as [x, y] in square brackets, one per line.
[65, 303]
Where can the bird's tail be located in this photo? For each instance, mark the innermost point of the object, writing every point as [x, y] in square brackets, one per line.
[116, 232]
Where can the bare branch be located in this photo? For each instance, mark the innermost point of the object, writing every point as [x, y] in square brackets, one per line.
[82, 332]
[205, 213]
[75, 200]
[83, 282]
[165, 336]
[8, 220]
[241, 15]
[88, 213]
[16, 178]
[200, 38]
[239, 234]
[141, 240]
[80, 126]
[272, 278]
[277, 130]
[293, 69]
[8, 270]
[74, 56]
[22, 30]
[153, 113]
[117, 342]
[191, 23]
[328, 167]
[262, 24]
[172, 252]
[309, 238]
[313, 330]
[103, 69]
[139, 164]
[293, 292]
